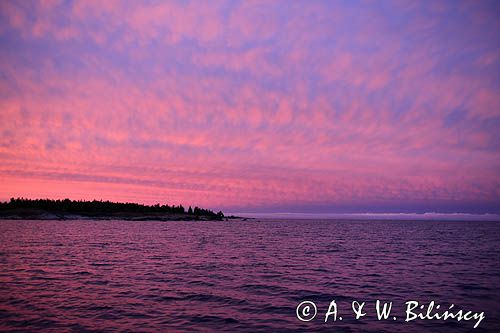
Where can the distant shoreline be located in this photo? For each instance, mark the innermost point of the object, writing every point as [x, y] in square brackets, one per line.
[30, 214]
[48, 209]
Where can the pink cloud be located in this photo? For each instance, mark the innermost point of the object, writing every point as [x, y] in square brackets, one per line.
[233, 105]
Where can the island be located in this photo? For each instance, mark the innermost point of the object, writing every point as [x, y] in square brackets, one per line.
[48, 209]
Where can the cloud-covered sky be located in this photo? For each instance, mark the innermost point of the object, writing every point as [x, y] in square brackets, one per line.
[310, 106]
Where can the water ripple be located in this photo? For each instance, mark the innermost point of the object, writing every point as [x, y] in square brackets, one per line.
[114, 276]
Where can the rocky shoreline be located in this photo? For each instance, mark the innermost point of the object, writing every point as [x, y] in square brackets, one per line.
[32, 214]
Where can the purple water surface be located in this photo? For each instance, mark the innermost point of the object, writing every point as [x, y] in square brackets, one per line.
[107, 276]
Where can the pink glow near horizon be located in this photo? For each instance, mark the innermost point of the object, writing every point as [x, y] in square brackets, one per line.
[266, 106]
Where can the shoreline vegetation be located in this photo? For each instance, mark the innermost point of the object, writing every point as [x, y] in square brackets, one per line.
[47, 209]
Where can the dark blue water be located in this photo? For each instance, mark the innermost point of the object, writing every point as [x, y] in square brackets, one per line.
[107, 276]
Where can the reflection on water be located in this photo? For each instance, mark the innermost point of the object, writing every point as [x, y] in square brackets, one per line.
[249, 276]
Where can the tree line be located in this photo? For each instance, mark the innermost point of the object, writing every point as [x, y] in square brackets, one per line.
[102, 207]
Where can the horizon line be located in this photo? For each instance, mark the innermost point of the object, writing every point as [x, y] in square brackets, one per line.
[375, 216]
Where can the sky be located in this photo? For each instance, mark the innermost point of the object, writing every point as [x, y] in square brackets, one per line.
[253, 106]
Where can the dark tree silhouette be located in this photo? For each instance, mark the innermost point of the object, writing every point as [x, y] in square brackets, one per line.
[100, 207]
